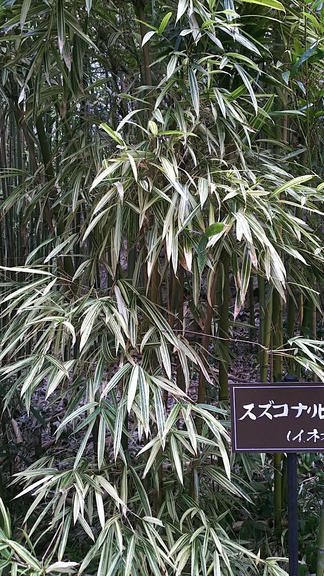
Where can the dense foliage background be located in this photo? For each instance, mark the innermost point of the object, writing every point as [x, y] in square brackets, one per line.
[161, 197]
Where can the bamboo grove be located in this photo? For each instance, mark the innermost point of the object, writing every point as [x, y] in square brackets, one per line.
[161, 172]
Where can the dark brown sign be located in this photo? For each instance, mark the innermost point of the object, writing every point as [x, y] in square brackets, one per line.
[277, 417]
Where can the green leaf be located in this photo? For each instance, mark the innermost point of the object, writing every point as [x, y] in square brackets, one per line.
[74, 25]
[114, 135]
[115, 380]
[84, 442]
[153, 128]
[159, 414]
[25, 270]
[291, 183]
[201, 253]
[23, 291]
[64, 536]
[24, 555]
[176, 458]
[166, 361]
[5, 519]
[130, 556]
[203, 190]
[68, 243]
[75, 414]
[119, 426]
[267, 3]
[172, 64]
[304, 57]
[24, 12]
[248, 85]
[38, 416]
[194, 90]
[110, 490]
[88, 322]
[164, 22]
[275, 113]
[214, 229]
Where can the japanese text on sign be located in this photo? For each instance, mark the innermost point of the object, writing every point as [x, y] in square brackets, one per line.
[272, 410]
[278, 417]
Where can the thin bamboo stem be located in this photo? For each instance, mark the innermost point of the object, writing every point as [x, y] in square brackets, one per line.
[252, 329]
[320, 546]
[267, 320]
[223, 326]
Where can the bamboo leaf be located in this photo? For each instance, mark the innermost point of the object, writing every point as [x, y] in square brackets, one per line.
[21, 291]
[248, 85]
[303, 58]
[100, 508]
[82, 448]
[214, 229]
[132, 387]
[5, 524]
[165, 358]
[165, 22]
[68, 243]
[182, 7]
[114, 135]
[201, 253]
[110, 490]
[274, 4]
[159, 414]
[133, 166]
[155, 444]
[24, 555]
[86, 527]
[294, 182]
[25, 270]
[145, 398]
[88, 5]
[94, 223]
[176, 458]
[24, 12]
[64, 536]
[172, 64]
[62, 567]
[74, 25]
[130, 556]
[60, 25]
[56, 378]
[194, 91]
[88, 322]
[118, 429]
[115, 379]
[101, 441]
[153, 520]
[82, 409]
[128, 116]
[148, 36]
[104, 200]
[203, 190]
[113, 167]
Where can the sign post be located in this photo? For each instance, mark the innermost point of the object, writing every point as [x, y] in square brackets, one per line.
[280, 417]
[292, 513]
